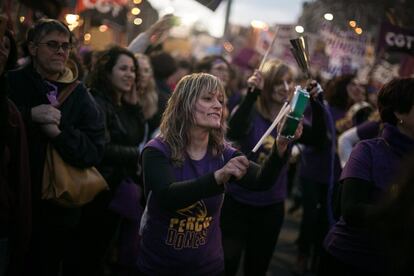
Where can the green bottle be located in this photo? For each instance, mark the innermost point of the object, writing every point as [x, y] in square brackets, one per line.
[297, 105]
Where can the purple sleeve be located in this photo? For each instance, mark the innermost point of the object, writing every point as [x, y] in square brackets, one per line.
[368, 130]
[359, 164]
[229, 152]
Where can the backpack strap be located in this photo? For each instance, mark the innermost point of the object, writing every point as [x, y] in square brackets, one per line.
[65, 93]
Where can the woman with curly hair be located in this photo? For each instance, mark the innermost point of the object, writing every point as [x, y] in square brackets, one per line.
[114, 76]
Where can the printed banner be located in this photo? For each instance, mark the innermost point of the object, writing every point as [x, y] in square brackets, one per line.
[394, 38]
[346, 50]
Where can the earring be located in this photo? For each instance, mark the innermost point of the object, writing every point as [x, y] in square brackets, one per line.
[401, 121]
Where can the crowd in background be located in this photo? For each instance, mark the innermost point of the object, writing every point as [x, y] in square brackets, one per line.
[172, 138]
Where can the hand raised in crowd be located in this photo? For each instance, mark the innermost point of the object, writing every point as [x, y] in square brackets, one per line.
[282, 142]
[159, 30]
[236, 167]
[46, 114]
[314, 88]
[256, 80]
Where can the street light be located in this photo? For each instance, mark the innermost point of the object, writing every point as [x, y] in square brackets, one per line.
[71, 18]
[299, 29]
[87, 37]
[135, 11]
[103, 28]
[358, 30]
[257, 24]
[352, 23]
[328, 16]
[137, 21]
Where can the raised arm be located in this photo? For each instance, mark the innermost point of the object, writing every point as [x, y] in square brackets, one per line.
[239, 123]
[316, 134]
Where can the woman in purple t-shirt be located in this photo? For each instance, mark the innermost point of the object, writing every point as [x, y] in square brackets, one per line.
[372, 166]
[251, 221]
[186, 170]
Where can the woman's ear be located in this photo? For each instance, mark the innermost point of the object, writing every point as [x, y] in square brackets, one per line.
[399, 116]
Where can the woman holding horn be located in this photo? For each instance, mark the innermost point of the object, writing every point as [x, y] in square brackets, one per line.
[251, 221]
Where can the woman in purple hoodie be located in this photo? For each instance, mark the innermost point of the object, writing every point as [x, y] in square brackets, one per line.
[186, 171]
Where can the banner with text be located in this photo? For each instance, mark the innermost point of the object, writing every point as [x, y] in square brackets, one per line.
[394, 38]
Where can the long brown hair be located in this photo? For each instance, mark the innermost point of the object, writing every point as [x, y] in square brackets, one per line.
[178, 117]
[273, 72]
[98, 78]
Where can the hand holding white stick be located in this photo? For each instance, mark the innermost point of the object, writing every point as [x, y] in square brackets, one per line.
[283, 111]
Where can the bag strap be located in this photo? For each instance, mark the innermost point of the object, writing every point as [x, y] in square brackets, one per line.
[65, 93]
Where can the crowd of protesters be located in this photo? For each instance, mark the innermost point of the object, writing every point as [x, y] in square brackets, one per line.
[172, 138]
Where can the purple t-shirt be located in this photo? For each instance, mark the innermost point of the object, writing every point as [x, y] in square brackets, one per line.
[368, 130]
[337, 113]
[316, 164]
[278, 192]
[376, 161]
[185, 241]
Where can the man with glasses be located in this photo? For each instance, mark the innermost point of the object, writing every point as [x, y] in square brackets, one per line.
[74, 128]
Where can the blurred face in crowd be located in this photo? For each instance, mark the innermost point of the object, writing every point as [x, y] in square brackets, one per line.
[209, 109]
[372, 98]
[221, 71]
[51, 53]
[356, 91]
[4, 52]
[122, 76]
[177, 76]
[282, 89]
[145, 71]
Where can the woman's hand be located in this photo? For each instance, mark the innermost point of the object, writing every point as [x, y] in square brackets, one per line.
[314, 89]
[256, 80]
[46, 114]
[236, 167]
[282, 142]
[158, 32]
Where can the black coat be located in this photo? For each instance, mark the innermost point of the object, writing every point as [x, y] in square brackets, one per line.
[125, 130]
[82, 138]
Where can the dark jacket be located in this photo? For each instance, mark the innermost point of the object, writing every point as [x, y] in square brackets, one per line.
[81, 141]
[15, 199]
[125, 129]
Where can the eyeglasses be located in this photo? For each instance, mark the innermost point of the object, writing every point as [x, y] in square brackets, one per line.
[55, 46]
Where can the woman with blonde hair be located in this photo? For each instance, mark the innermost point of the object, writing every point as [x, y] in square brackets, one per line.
[186, 170]
[251, 221]
[145, 93]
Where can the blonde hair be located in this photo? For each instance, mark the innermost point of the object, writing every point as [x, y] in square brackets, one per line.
[178, 117]
[147, 96]
[273, 72]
